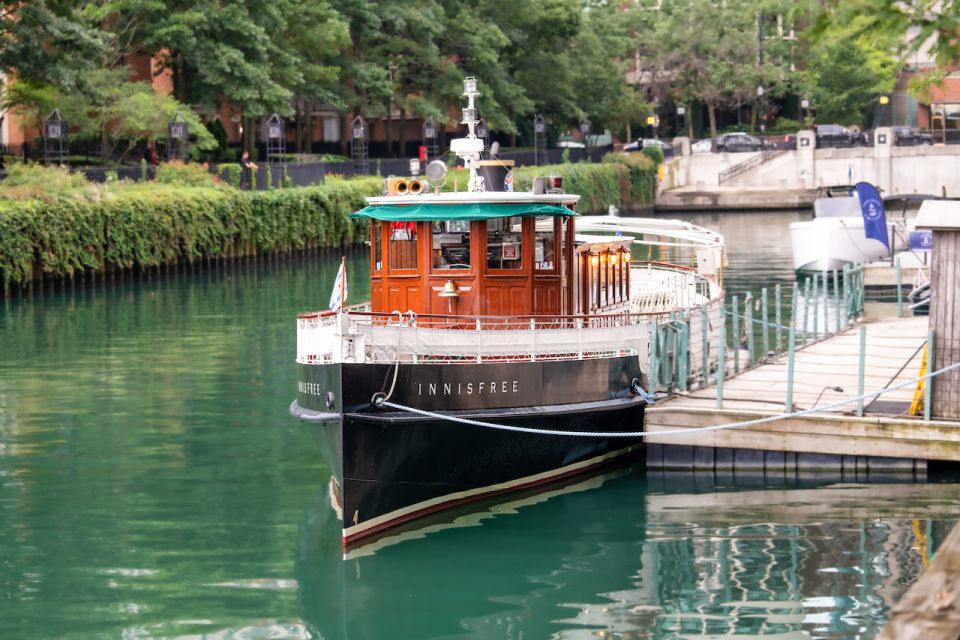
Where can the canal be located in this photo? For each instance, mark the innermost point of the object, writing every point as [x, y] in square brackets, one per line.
[153, 485]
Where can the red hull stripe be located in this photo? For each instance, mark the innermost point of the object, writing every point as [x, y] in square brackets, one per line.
[358, 532]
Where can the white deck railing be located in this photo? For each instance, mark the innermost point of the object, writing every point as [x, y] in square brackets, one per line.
[360, 336]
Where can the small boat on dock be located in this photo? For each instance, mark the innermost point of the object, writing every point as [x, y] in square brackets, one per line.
[836, 236]
[500, 351]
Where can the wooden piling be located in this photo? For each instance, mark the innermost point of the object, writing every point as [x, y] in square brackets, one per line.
[930, 610]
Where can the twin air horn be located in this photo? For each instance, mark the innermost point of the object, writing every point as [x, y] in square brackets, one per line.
[405, 186]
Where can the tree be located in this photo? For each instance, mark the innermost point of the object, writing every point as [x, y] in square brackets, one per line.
[48, 42]
[600, 53]
[881, 34]
[703, 50]
[843, 77]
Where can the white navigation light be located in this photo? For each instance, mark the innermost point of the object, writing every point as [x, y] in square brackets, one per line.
[469, 115]
[466, 146]
[469, 85]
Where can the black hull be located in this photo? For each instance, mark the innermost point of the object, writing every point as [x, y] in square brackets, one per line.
[391, 467]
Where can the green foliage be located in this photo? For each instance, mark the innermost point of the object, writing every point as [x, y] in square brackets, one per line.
[627, 182]
[153, 224]
[34, 181]
[184, 174]
[654, 153]
[844, 76]
[232, 173]
[641, 174]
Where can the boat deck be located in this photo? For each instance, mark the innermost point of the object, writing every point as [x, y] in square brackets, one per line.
[893, 351]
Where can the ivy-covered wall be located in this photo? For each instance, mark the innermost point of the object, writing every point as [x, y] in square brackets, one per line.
[151, 224]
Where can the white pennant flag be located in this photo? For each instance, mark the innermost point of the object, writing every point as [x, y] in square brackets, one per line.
[339, 294]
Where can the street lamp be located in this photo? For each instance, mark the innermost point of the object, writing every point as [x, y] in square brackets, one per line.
[681, 120]
[884, 101]
[763, 125]
[804, 108]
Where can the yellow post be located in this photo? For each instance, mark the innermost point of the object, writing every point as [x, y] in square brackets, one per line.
[917, 405]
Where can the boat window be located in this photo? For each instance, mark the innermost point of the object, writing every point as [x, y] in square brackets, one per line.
[376, 234]
[544, 252]
[403, 245]
[451, 244]
[505, 243]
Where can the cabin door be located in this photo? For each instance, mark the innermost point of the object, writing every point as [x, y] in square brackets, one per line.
[403, 286]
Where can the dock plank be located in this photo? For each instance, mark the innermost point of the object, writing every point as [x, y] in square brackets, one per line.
[894, 352]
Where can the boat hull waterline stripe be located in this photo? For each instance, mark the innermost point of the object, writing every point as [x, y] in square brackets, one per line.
[647, 434]
[400, 516]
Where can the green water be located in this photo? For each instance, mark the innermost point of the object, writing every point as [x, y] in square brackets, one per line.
[152, 485]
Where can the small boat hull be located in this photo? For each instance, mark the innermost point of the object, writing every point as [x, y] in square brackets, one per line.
[825, 244]
[392, 466]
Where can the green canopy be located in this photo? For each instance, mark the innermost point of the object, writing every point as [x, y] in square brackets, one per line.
[466, 211]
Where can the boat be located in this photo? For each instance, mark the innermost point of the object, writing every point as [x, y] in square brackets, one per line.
[500, 351]
[836, 236]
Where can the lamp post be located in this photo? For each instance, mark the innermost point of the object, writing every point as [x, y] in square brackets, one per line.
[884, 101]
[763, 126]
[681, 120]
[804, 109]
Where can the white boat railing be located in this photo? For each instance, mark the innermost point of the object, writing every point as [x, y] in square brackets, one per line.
[660, 293]
[380, 337]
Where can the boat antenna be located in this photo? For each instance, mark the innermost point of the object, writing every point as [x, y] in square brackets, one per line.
[469, 149]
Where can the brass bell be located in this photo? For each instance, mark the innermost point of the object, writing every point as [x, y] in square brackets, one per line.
[449, 290]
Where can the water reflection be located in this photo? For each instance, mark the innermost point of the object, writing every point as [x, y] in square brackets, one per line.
[632, 559]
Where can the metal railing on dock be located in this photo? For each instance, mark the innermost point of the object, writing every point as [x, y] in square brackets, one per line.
[826, 304]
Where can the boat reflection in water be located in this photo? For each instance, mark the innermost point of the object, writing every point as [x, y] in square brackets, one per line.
[634, 558]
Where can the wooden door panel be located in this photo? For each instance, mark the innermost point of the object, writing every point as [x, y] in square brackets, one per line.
[506, 299]
[546, 298]
[403, 298]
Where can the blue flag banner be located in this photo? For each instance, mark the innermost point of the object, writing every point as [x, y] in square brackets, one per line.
[874, 215]
[921, 240]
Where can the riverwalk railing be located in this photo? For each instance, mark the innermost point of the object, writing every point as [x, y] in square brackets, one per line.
[684, 357]
[750, 163]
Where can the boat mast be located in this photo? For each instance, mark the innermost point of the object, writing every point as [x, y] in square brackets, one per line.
[470, 148]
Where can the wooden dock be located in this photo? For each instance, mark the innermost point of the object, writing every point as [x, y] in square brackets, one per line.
[884, 437]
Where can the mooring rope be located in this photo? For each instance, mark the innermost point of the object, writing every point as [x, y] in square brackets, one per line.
[379, 402]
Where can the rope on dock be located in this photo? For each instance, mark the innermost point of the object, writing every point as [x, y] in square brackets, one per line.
[379, 402]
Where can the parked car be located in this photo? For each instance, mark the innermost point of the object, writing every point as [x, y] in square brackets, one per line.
[643, 143]
[787, 141]
[568, 142]
[835, 135]
[738, 141]
[702, 146]
[909, 137]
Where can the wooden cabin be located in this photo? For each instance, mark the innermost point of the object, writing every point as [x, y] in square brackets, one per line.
[468, 259]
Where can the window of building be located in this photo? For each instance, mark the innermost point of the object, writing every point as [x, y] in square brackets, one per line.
[505, 243]
[376, 232]
[451, 244]
[403, 245]
[331, 129]
[544, 251]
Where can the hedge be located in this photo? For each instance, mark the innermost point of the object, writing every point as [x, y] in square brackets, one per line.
[151, 224]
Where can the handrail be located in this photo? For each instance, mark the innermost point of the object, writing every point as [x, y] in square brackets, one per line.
[755, 161]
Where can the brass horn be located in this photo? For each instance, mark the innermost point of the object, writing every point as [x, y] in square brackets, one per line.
[414, 186]
[401, 187]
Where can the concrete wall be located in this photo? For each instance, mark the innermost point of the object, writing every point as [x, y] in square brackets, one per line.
[933, 169]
